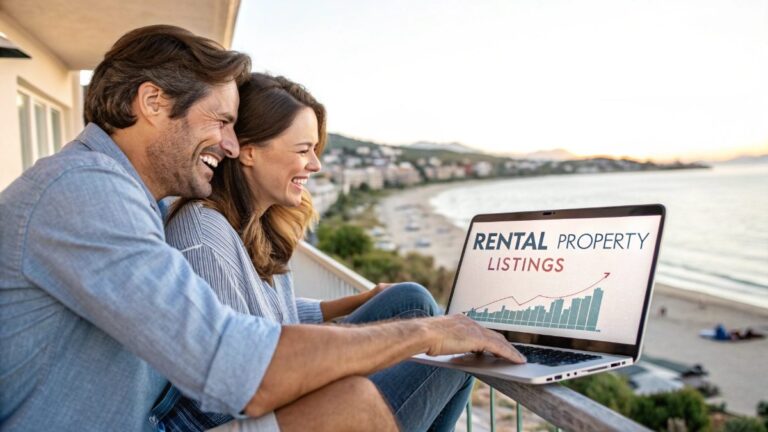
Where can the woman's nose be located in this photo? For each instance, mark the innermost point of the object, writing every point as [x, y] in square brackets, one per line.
[314, 164]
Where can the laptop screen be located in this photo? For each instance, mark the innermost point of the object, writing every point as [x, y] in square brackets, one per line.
[583, 278]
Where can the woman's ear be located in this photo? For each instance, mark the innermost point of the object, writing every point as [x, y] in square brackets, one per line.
[247, 155]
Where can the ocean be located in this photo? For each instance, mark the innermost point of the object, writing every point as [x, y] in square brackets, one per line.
[716, 234]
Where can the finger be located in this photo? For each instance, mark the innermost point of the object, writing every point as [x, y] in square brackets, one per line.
[508, 353]
[502, 348]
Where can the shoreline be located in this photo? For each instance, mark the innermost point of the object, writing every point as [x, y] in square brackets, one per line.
[418, 197]
[735, 367]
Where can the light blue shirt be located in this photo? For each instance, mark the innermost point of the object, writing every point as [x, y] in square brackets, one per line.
[95, 307]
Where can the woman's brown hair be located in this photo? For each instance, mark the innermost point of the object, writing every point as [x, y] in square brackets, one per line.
[268, 106]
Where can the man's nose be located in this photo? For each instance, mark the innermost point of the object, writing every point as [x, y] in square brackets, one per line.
[229, 142]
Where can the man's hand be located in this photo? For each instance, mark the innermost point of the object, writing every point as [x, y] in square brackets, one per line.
[455, 334]
[307, 356]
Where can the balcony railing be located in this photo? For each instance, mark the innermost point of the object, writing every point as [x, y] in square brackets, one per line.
[316, 275]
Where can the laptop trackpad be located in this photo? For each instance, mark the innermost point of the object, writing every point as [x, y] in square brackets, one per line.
[479, 359]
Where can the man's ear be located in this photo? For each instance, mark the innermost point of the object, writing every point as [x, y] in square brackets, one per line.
[151, 103]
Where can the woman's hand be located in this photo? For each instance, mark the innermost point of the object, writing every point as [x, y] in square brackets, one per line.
[381, 286]
[346, 305]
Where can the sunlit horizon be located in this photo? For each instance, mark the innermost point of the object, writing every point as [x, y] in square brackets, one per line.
[713, 156]
[661, 80]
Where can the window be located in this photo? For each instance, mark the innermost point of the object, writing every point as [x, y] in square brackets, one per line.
[41, 129]
[56, 129]
[22, 102]
[39, 125]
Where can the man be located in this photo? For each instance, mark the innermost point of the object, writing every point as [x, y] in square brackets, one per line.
[95, 308]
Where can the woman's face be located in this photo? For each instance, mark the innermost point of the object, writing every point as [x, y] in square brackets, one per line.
[278, 172]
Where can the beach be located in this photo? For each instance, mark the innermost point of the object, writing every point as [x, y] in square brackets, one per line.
[737, 368]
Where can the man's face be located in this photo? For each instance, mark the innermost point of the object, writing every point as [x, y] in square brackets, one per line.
[184, 157]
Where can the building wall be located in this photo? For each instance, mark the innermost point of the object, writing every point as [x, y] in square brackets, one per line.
[44, 76]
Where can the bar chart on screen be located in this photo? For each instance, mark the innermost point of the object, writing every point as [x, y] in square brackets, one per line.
[578, 310]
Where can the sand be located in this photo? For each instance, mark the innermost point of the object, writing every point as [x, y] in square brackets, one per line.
[739, 369]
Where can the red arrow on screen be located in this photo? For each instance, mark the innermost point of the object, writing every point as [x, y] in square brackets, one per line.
[605, 276]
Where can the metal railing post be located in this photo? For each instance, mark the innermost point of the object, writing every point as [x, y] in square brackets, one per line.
[519, 415]
[493, 410]
[469, 414]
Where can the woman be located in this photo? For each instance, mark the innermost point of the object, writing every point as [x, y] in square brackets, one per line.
[241, 238]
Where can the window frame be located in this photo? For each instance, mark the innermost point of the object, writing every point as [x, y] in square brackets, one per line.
[33, 146]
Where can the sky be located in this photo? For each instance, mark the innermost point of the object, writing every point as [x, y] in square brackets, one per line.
[661, 79]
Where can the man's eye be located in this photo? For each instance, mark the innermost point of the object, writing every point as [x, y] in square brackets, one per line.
[303, 151]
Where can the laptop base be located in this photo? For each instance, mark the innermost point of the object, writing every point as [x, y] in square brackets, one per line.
[528, 373]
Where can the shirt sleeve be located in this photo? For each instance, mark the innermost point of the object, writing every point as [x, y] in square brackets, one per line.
[95, 244]
[309, 311]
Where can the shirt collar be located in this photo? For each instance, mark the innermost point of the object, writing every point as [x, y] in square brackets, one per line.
[96, 139]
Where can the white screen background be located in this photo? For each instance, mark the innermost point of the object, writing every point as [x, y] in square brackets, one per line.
[583, 270]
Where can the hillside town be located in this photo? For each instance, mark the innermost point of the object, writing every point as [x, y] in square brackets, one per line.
[350, 164]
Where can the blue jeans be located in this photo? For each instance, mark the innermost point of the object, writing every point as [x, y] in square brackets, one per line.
[421, 397]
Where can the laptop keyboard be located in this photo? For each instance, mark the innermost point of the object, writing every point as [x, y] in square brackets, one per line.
[552, 357]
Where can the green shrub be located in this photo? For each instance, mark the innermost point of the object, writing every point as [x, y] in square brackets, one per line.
[345, 241]
[379, 266]
[608, 389]
[762, 412]
[656, 412]
[762, 409]
[744, 424]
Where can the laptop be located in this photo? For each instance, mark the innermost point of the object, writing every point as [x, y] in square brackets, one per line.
[570, 289]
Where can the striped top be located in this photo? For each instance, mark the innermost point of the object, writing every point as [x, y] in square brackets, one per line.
[217, 254]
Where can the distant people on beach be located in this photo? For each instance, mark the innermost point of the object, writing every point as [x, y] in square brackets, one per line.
[721, 333]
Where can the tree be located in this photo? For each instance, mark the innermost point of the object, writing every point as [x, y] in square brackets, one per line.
[345, 241]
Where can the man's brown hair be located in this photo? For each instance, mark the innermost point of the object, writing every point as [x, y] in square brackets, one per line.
[182, 64]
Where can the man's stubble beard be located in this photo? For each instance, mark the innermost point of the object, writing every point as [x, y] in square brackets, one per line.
[171, 161]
